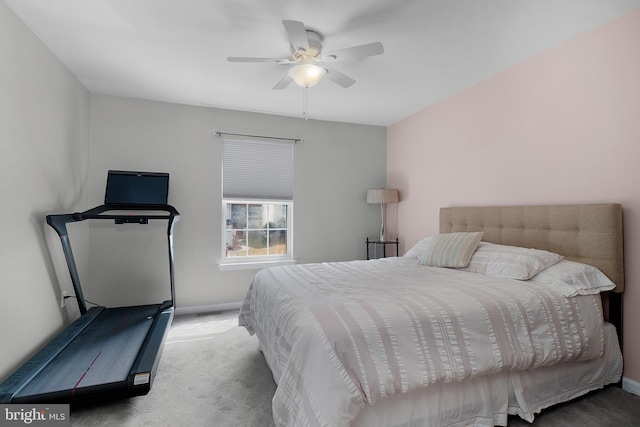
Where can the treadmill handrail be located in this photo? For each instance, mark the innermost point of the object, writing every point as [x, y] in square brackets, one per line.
[59, 223]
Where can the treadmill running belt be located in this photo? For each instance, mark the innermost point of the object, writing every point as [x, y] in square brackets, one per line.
[100, 356]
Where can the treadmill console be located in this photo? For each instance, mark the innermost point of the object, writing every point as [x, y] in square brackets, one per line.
[136, 188]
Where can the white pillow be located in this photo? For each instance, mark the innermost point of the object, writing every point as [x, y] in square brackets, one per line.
[510, 261]
[451, 249]
[419, 248]
[574, 278]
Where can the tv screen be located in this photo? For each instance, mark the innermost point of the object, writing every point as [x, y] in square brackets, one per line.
[136, 188]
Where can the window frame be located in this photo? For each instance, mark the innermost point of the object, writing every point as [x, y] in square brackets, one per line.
[272, 187]
[255, 261]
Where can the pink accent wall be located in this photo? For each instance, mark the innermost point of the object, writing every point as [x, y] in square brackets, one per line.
[562, 127]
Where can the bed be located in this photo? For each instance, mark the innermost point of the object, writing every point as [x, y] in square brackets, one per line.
[401, 342]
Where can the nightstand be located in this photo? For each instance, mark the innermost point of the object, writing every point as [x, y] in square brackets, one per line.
[384, 246]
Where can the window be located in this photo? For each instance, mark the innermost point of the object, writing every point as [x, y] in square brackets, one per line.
[257, 192]
[256, 229]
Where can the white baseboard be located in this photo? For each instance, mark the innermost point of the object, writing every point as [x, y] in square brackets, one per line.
[196, 309]
[631, 386]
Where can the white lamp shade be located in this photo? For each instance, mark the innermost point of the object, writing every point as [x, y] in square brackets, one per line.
[307, 75]
[382, 195]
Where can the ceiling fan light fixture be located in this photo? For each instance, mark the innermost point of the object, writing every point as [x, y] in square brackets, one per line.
[307, 75]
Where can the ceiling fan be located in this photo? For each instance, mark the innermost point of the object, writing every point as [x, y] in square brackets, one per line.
[307, 64]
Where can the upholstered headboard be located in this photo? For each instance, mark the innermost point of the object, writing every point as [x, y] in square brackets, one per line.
[591, 233]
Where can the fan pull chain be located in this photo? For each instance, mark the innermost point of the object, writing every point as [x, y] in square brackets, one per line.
[304, 102]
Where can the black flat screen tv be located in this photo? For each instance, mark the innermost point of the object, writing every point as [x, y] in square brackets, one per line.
[136, 188]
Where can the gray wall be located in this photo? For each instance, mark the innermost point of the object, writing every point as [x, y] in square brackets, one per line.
[44, 133]
[334, 166]
[58, 142]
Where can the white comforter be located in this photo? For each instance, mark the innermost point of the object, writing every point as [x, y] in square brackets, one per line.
[340, 335]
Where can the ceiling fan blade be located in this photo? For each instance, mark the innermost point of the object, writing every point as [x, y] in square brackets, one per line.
[249, 59]
[283, 83]
[356, 52]
[339, 78]
[297, 34]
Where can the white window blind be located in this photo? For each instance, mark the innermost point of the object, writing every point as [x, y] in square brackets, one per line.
[257, 170]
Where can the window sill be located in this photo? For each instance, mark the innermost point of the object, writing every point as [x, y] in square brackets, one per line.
[231, 266]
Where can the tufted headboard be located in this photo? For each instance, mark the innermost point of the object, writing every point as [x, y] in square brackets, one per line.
[590, 233]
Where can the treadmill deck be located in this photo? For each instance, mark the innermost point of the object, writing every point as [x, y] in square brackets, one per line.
[95, 356]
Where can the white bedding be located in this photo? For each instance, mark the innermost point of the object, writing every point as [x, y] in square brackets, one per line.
[342, 336]
[488, 401]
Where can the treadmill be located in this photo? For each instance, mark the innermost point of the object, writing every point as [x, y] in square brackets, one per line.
[106, 353]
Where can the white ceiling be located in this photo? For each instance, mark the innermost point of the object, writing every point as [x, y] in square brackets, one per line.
[176, 50]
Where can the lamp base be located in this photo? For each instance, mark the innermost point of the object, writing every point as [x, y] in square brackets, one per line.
[382, 222]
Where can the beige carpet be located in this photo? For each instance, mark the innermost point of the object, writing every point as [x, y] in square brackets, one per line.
[212, 374]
